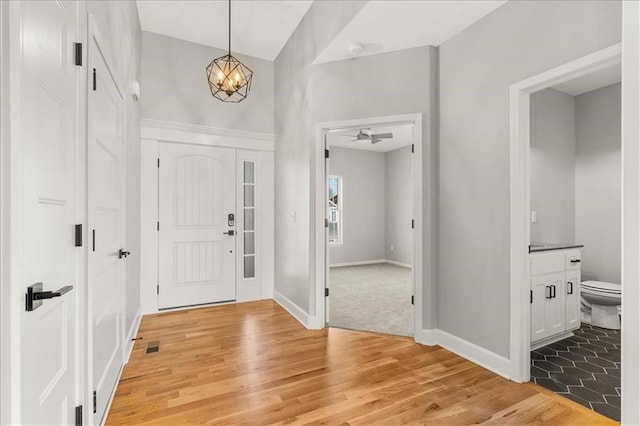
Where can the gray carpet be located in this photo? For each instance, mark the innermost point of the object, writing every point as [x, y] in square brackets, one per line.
[371, 298]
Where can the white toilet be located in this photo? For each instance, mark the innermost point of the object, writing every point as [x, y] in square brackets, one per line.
[600, 303]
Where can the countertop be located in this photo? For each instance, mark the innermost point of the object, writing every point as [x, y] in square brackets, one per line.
[536, 247]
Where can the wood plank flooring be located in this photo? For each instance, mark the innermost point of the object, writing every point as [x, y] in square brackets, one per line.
[254, 364]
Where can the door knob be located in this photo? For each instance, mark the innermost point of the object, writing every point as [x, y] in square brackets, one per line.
[230, 233]
[122, 253]
[35, 295]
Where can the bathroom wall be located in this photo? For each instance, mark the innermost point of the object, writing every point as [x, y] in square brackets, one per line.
[399, 205]
[174, 87]
[363, 186]
[477, 66]
[552, 156]
[598, 217]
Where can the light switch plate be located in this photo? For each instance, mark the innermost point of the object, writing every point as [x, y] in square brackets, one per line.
[534, 217]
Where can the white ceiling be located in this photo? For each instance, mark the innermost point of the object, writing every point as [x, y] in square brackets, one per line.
[593, 81]
[402, 136]
[387, 25]
[259, 28]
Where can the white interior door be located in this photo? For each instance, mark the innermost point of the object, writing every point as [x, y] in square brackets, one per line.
[197, 253]
[47, 136]
[105, 224]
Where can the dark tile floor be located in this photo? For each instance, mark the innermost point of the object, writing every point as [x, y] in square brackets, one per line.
[584, 368]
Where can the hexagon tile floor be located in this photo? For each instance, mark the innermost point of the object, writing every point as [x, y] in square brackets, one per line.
[584, 368]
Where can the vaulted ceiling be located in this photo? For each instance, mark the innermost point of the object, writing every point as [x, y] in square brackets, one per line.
[261, 28]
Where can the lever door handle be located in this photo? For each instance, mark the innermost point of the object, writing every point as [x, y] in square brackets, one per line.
[575, 260]
[570, 289]
[122, 253]
[230, 233]
[35, 295]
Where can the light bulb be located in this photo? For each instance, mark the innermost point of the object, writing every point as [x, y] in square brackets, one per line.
[220, 75]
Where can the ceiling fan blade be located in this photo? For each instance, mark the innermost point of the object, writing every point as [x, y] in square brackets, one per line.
[375, 141]
[382, 135]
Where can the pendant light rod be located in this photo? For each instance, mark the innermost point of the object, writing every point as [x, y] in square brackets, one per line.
[229, 27]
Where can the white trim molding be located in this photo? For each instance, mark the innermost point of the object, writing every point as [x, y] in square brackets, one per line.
[520, 230]
[293, 309]
[205, 135]
[370, 262]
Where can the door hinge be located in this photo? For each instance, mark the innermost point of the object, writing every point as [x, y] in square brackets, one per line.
[79, 415]
[158, 163]
[326, 153]
[93, 238]
[157, 226]
[412, 299]
[530, 296]
[94, 79]
[413, 146]
[79, 235]
[78, 54]
[326, 292]
[158, 289]
[326, 223]
[95, 402]
[413, 223]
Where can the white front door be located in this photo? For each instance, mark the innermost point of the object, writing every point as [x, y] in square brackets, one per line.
[105, 219]
[45, 133]
[197, 248]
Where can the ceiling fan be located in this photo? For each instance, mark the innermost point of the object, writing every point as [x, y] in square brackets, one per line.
[368, 135]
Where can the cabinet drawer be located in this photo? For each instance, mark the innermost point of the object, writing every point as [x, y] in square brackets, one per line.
[573, 259]
[545, 263]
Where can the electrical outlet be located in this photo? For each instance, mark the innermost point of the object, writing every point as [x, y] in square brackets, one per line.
[534, 217]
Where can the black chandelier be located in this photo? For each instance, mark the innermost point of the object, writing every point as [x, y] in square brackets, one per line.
[229, 79]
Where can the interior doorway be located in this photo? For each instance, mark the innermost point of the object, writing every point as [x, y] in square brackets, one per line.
[371, 185]
[566, 221]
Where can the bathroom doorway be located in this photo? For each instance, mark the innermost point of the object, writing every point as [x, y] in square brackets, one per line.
[370, 182]
[566, 214]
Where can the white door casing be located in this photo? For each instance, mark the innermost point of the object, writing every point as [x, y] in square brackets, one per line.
[105, 224]
[44, 143]
[197, 255]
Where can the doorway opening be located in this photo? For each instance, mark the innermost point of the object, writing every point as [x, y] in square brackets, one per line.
[369, 181]
[566, 221]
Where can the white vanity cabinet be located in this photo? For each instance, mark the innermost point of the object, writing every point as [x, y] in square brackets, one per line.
[555, 295]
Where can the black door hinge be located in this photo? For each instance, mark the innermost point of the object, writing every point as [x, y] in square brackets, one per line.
[413, 223]
[326, 153]
[78, 54]
[412, 299]
[530, 296]
[79, 235]
[413, 146]
[79, 415]
[95, 402]
[95, 84]
[158, 289]
[326, 292]
[326, 223]
[158, 163]
[157, 226]
[93, 238]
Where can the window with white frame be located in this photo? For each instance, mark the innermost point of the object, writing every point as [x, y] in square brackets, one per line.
[335, 209]
[249, 219]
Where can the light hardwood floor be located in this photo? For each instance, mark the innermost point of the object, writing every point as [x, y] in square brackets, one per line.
[254, 364]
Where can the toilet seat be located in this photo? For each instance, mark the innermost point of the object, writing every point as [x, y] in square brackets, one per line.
[602, 287]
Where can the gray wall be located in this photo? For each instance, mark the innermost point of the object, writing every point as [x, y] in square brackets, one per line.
[599, 183]
[174, 87]
[118, 21]
[363, 186]
[477, 66]
[553, 150]
[294, 141]
[398, 205]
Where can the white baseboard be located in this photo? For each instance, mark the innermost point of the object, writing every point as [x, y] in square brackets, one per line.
[358, 263]
[426, 337]
[474, 353]
[369, 262]
[394, 262]
[295, 311]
